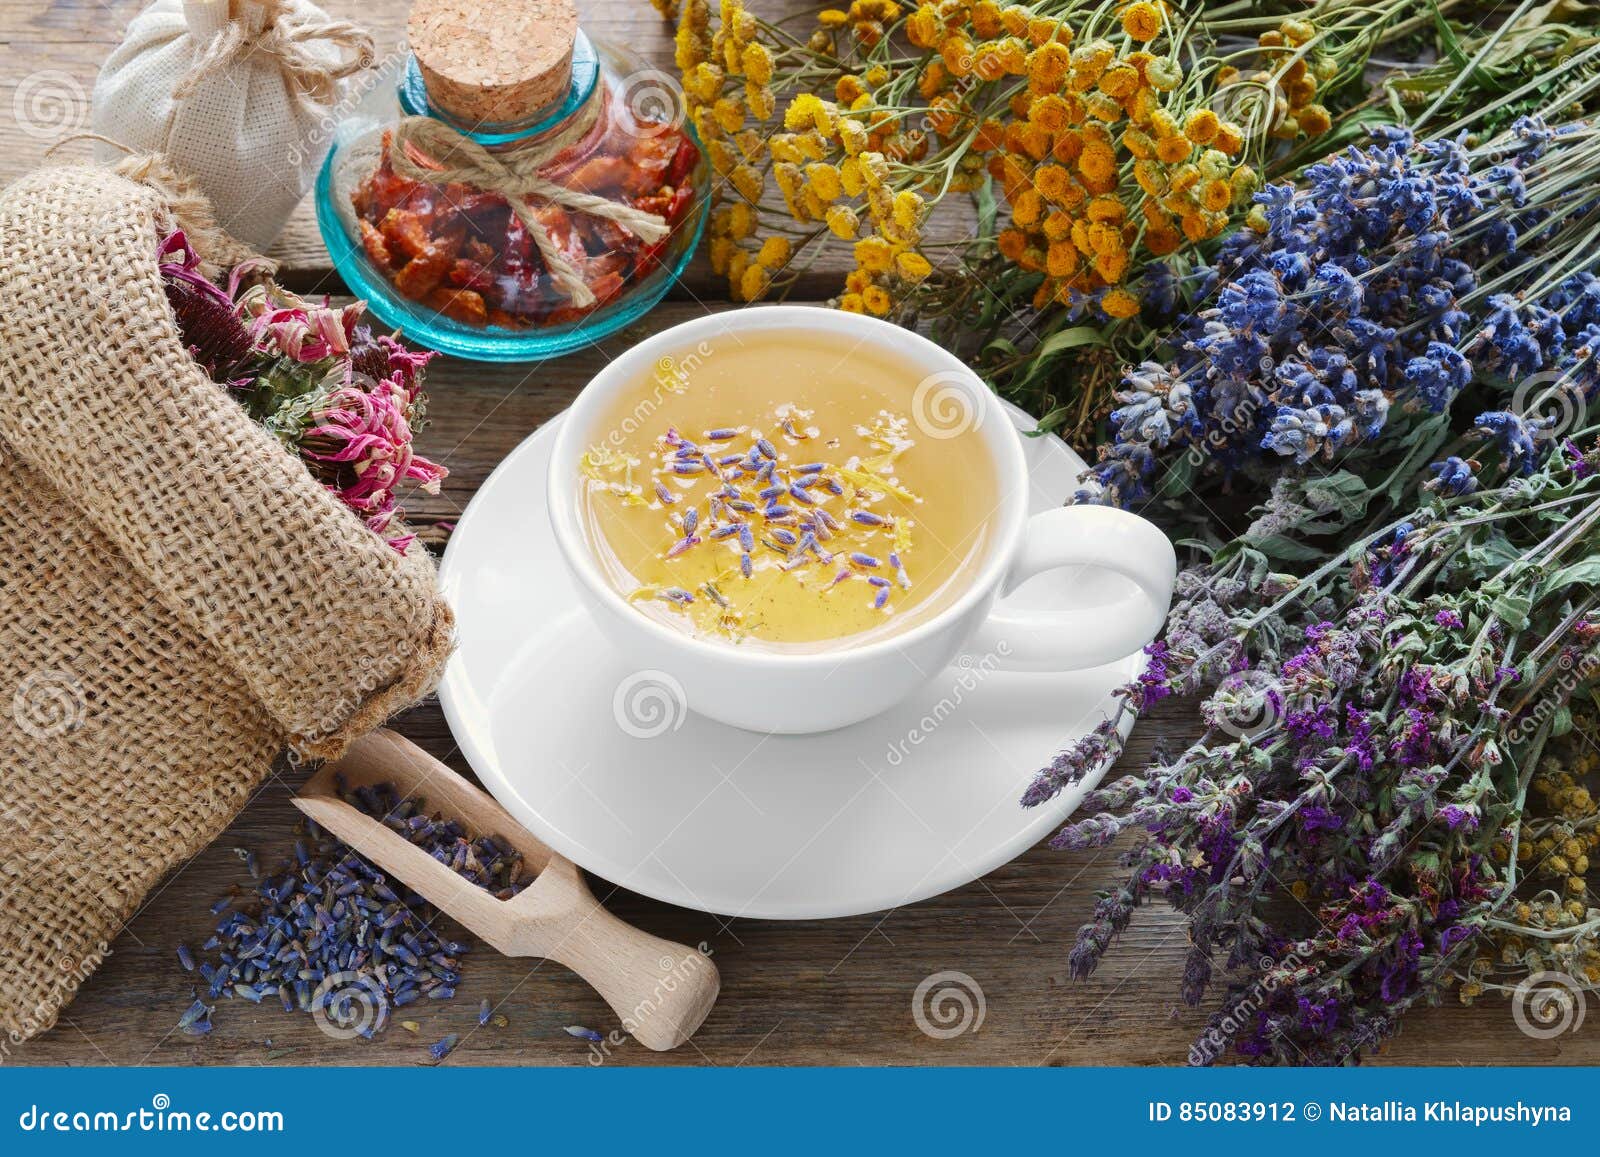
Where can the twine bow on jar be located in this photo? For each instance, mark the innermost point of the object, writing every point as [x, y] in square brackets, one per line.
[515, 175]
[272, 30]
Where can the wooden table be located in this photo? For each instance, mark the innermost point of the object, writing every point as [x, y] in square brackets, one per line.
[826, 992]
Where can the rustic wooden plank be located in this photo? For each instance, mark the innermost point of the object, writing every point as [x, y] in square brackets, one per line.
[813, 992]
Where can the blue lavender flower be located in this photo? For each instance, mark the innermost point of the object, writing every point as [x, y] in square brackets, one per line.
[1517, 437]
[1452, 477]
[1354, 299]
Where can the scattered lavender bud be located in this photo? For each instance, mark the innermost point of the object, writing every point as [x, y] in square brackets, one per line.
[582, 1033]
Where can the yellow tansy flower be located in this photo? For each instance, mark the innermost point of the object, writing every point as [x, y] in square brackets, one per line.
[1229, 138]
[741, 220]
[1028, 209]
[1314, 120]
[1141, 21]
[761, 101]
[1098, 164]
[747, 182]
[907, 210]
[912, 266]
[774, 252]
[1172, 150]
[1119, 303]
[729, 113]
[1201, 126]
[799, 113]
[754, 283]
[877, 300]
[1119, 81]
[1052, 182]
[757, 60]
[1061, 259]
[842, 221]
[824, 180]
[1048, 64]
[874, 254]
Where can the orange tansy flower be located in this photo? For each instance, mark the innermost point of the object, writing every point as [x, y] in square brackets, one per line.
[1052, 181]
[1119, 303]
[1141, 21]
[1172, 150]
[1061, 260]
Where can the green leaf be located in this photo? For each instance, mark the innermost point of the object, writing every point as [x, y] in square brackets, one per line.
[1512, 609]
[1074, 337]
[1585, 572]
[1341, 492]
[1283, 547]
[988, 207]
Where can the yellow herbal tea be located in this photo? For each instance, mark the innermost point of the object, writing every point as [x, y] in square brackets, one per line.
[777, 492]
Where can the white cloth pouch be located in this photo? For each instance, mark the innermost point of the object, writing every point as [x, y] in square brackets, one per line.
[239, 95]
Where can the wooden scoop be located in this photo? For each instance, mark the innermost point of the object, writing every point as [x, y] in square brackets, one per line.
[661, 990]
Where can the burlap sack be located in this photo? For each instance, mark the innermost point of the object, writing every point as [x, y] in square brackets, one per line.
[239, 95]
[179, 599]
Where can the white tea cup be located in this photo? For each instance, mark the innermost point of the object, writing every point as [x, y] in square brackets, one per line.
[797, 693]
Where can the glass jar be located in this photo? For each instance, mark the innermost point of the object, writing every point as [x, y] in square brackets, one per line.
[452, 266]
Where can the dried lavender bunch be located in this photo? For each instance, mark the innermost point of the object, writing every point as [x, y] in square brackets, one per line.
[1347, 827]
[326, 933]
[1359, 302]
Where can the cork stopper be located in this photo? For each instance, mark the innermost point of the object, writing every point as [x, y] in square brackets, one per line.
[493, 61]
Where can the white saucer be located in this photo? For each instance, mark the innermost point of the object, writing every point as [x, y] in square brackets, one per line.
[602, 762]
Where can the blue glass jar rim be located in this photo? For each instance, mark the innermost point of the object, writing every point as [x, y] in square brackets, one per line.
[413, 93]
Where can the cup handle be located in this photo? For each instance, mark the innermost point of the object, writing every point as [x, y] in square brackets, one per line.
[1013, 639]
